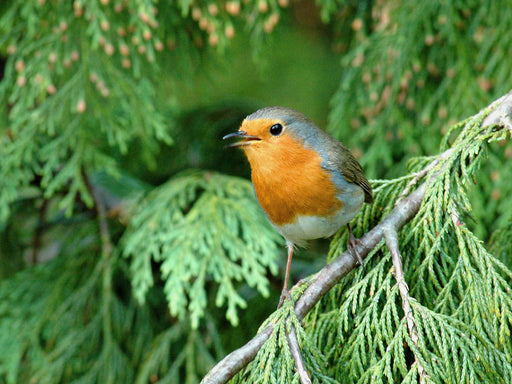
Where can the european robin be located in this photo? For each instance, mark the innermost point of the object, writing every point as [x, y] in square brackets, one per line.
[307, 182]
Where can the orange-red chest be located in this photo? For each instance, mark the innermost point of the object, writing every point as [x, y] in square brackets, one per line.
[290, 182]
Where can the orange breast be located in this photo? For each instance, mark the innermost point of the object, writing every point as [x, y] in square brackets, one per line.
[289, 181]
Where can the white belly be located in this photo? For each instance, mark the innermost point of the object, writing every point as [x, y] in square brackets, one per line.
[314, 227]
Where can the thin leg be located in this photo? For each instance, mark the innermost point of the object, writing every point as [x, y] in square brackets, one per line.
[285, 293]
[352, 245]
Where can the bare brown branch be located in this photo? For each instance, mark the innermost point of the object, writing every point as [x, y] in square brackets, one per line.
[295, 351]
[391, 237]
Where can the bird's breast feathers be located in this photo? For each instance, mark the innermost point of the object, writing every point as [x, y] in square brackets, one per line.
[298, 195]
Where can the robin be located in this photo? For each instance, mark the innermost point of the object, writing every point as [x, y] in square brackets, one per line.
[308, 183]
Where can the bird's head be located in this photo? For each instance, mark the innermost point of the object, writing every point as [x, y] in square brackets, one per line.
[270, 129]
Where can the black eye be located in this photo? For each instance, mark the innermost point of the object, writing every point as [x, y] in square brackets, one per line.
[276, 129]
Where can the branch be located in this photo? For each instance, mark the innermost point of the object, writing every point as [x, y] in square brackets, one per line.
[391, 237]
[502, 113]
[106, 240]
[107, 248]
[295, 351]
[238, 359]
[333, 272]
[421, 174]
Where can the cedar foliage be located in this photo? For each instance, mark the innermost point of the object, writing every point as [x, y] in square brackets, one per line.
[151, 265]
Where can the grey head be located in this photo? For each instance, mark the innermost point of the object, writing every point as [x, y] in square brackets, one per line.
[298, 124]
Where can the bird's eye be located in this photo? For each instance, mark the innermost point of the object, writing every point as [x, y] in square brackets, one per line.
[276, 129]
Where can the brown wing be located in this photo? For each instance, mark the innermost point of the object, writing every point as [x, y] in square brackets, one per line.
[352, 170]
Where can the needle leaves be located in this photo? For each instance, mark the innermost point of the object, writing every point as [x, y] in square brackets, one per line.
[201, 227]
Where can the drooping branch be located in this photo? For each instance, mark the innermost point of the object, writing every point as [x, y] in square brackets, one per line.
[295, 351]
[331, 274]
[107, 248]
[391, 237]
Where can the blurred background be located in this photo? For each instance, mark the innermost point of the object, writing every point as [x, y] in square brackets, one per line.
[131, 245]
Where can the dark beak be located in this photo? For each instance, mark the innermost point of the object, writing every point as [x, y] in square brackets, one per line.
[246, 139]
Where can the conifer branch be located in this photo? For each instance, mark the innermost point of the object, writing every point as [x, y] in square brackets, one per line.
[106, 239]
[391, 238]
[421, 174]
[238, 359]
[295, 351]
[333, 272]
[502, 114]
[106, 253]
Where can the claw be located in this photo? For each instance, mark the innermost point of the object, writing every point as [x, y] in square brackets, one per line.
[285, 294]
[352, 246]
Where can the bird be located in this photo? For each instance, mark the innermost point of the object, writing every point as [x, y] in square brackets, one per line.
[308, 183]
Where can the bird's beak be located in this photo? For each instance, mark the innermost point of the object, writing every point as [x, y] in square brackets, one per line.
[246, 139]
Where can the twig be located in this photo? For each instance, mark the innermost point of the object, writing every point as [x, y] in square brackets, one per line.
[106, 252]
[421, 174]
[502, 114]
[106, 239]
[238, 359]
[295, 351]
[391, 237]
[333, 272]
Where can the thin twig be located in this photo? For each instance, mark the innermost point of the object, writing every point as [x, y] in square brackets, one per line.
[107, 248]
[421, 174]
[295, 351]
[106, 239]
[391, 237]
[501, 116]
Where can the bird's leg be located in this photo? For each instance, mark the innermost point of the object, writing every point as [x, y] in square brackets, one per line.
[352, 246]
[285, 294]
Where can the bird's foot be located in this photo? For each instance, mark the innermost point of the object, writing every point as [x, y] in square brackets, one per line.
[352, 244]
[285, 294]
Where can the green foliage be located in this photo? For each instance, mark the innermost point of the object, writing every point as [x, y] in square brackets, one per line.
[61, 322]
[69, 102]
[80, 83]
[218, 233]
[74, 320]
[412, 70]
[120, 265]
[274, 362]
[81, 94]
